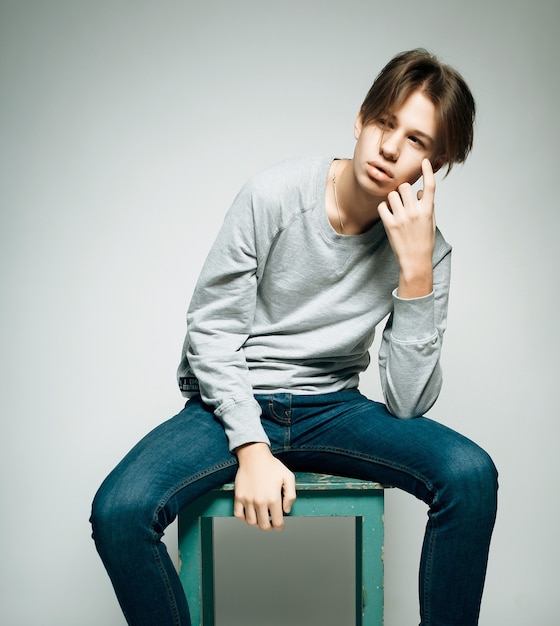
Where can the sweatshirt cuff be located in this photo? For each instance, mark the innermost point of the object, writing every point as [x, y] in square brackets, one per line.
[242, 422]
[413, 318]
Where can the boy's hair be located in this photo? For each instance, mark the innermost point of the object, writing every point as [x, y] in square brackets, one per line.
[443, 85]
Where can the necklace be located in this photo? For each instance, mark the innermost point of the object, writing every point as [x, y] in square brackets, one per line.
[336, 198]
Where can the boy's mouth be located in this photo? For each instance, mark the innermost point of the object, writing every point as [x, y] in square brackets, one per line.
[378, 172]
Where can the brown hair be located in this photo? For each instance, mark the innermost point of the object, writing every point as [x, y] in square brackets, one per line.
[443, 85]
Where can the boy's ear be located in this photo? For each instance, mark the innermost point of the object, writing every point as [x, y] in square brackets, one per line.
[358, 125]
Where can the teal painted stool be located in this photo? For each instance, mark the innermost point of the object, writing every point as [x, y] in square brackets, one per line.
[318, 495]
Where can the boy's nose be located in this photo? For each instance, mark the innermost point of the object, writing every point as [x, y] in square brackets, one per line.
[390, 147]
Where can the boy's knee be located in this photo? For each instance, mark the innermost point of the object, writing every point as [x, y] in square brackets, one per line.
[115, 509]
[484, 470]
[474, 476]
[104, 512]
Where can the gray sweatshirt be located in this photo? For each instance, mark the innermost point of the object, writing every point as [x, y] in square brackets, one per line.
[286, 304]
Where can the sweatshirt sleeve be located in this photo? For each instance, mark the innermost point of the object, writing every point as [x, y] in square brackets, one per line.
[409, 356]
[218, 323]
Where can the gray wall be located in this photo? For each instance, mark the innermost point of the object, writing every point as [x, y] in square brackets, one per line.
[127, 127]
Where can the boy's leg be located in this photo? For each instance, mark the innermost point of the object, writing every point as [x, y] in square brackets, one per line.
[347, 434]
[173, 465]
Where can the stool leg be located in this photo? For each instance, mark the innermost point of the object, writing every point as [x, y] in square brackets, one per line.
[190, 563]
[207, 572]
[360, 583]
[196, 543]
[369, 565]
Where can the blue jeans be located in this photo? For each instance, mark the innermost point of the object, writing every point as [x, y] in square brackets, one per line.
[340, 433]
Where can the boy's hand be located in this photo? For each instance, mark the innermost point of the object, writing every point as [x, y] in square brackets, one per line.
[265, 488]
[411, 227]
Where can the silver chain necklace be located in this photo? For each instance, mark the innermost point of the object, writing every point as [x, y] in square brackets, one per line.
[336, 198]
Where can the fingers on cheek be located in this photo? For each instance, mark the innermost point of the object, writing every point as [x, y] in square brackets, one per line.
[396, 200]
[407, 194]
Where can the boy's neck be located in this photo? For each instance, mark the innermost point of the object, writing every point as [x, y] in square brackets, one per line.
[350, 212]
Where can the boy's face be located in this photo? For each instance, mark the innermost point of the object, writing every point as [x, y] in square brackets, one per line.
[390, 151]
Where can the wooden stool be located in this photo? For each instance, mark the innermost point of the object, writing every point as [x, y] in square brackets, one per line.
[318, 495]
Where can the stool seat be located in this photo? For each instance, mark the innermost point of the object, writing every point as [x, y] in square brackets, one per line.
[318, 495]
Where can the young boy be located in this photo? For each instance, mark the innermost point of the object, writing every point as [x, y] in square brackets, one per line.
[313, 254]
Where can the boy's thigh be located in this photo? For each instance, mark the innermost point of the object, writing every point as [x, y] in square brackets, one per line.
[360, 438]
[181, 459]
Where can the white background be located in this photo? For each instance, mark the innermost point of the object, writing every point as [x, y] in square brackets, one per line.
[126, 129]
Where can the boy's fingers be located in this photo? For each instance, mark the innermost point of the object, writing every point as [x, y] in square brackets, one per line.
[238, 510]
[383, 208]
[403, 197]
[266, 519]
[275, 519]
[429, 181]
[244, 513]
[289, 494]
[260, 515]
